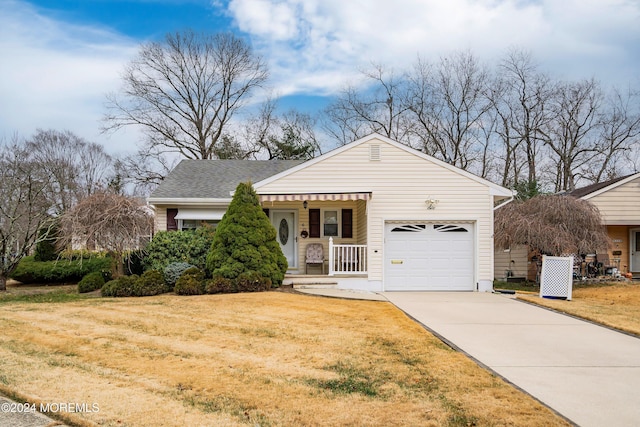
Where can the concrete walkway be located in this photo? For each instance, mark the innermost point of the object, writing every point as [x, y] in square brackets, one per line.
[587, 373]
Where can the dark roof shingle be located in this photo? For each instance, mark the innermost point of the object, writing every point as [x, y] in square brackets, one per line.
[581, 192]
[216, 178]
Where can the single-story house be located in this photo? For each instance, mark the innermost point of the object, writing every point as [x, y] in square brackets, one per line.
[618, 201]
[387, 217]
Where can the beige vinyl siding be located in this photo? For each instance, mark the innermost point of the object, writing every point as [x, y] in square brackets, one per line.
[161, 218]
[303, 224]
[620, 205]
[515, 260]
[400, 183]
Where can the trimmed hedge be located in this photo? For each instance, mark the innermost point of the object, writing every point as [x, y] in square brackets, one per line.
[150, 283]
[122, 287]
[190, 283]
[220, 285]
[91, 282]
[59, 271]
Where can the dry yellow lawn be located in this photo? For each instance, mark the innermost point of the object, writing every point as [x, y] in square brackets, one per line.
[264, 359]
[617, 305]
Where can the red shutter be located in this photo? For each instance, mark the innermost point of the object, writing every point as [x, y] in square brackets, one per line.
[172, 224]
[347, 223]
[314, 222]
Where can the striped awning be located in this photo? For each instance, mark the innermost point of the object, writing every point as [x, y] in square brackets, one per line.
[312, 197]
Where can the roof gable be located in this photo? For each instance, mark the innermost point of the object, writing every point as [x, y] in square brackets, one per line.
[495, 189]
[598, 188]
[215, 179]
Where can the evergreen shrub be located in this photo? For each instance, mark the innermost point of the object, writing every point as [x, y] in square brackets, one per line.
[173, 272]
[150, 283]
[220, 285]
[245, 241]
[124, 286]
[189, 246]
[191, 282]
[91, 282]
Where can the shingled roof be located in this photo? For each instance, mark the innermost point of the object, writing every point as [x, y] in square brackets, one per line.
[216, 178]
[584, 191]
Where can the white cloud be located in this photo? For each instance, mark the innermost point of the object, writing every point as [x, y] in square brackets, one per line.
[315, 45]
[55, 75]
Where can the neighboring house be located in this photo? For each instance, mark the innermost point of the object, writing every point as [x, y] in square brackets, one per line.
[388, 217]
[618, 201]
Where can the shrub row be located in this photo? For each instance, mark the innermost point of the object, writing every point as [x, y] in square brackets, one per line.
[60, 271]
[150, 283]
[91, 282]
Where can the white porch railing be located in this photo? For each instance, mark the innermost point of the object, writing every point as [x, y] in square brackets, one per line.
[347, 259]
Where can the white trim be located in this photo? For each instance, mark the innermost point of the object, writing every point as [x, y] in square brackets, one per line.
[200, 214]
[632, 266]
[494, 189]
[611, 187]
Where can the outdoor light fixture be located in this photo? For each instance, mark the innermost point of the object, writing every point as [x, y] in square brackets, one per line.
[305, 204]
[431, 203]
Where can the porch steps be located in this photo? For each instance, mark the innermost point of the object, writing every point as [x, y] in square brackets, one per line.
[310, 282]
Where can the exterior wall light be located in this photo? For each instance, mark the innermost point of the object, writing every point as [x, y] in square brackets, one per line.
[431, 203]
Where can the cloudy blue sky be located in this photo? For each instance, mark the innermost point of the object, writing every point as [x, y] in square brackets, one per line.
[60, 57]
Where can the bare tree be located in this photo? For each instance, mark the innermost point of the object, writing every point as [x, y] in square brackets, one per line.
[619, 135]
[574, 130]
[381, 107]
[552, 224]
[449, 102]
[145, 169]
[185, 91]
[108, 221]
[287, 136]
[25, 208]
[76, 168]
[527, 96]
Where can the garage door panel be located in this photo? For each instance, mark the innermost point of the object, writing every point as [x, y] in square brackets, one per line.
[423, 256]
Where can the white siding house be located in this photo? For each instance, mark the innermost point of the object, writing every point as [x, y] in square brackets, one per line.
[388, 217]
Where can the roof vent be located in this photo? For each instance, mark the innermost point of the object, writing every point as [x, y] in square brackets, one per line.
[374, 152]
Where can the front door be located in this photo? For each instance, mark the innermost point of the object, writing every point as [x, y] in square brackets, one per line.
[284, 223]
[635, 250]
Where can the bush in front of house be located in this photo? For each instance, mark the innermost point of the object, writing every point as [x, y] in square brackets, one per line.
[134, 262]
[150, 283]
[173, 272]
[60, 271]
[121, 287]
[46, 247]
[191, 282]
[252, 282]
[220, 285]
[190, 246]
[245, 241]
[91, 282]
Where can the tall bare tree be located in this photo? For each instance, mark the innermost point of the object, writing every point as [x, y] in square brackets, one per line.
[449, 101]
[76, 168]
[574, 130]
[527, 97]
[380, 107]
[25, 208]
[109, 221]
[619, 135]
[185, 91]
[286, 136]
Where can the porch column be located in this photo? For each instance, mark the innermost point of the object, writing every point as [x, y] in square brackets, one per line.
[331, 256]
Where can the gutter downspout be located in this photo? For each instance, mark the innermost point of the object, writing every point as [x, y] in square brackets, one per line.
[507, 202]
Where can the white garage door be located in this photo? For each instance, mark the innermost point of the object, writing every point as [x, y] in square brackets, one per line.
[428, 257]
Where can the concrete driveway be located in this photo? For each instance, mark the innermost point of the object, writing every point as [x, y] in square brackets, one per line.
[587, 373]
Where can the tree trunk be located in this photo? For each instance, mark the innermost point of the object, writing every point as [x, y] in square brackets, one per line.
[3, 282]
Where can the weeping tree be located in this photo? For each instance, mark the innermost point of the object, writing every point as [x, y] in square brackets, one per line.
[551, 224]
[106, 221]
[245, 241]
